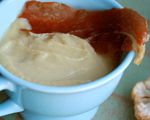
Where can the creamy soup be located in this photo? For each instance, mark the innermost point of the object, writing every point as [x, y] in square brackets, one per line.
[56, 59]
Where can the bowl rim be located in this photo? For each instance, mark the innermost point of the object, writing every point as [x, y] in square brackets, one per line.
[76, 88]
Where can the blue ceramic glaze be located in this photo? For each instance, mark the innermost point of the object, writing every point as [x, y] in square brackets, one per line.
[37, 102]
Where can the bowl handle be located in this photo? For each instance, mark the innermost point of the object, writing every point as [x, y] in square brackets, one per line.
[8, 106]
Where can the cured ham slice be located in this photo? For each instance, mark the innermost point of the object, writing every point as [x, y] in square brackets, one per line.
[115, 30]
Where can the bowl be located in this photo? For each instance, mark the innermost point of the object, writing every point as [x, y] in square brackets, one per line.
[38, 102]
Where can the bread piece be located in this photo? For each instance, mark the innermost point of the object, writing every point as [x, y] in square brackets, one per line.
[141, 97]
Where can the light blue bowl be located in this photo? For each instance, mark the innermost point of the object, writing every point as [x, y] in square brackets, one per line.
[37, 102]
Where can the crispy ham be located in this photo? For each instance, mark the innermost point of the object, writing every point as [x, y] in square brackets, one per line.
[109, 31]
